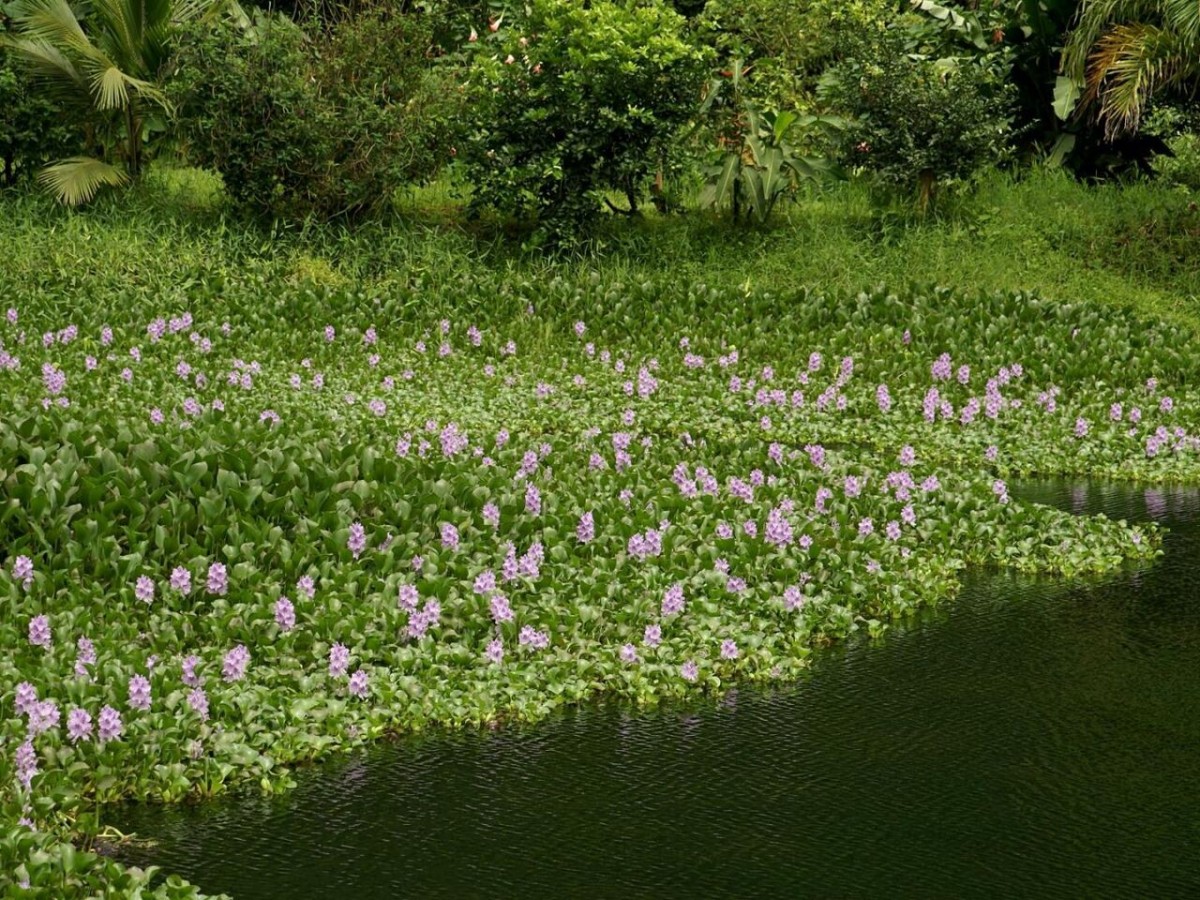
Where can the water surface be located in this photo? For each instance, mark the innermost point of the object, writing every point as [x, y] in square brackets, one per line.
[1032, 739]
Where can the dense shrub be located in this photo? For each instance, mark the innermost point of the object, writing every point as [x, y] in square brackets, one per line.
[32, 128]
[789, 43]
[918, 121]
[575, 98]
[321, 124]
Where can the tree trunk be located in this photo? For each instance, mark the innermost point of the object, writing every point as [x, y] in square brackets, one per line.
[133, 128]
[926, 190]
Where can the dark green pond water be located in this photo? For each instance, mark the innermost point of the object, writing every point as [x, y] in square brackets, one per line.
[1033, 738]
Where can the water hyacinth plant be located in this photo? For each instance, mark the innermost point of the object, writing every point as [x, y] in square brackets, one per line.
[557, 507]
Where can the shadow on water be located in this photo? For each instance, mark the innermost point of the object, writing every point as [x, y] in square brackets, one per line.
[1032, 738]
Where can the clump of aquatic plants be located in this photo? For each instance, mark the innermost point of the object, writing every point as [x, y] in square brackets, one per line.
[248, 530]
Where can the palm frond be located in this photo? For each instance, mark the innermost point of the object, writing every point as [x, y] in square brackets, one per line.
[117, 22]
[1129, 64]
[110, 88]
[52, 21]
[75, 181]
[44, 60]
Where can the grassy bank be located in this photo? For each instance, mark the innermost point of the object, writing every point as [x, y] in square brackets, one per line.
[1134, 246]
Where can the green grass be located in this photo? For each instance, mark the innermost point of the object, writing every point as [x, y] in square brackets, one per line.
[1133, 246]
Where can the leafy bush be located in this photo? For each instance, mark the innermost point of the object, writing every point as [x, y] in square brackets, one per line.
[758, 163]
[919, 121]
[789, 43]
[32, 128]
[315, 125]
[574, 99]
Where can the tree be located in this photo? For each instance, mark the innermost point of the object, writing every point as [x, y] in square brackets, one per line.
[1126, 51]
[104, 67]
[574, 98]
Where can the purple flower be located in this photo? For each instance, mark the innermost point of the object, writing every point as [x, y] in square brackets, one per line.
[181, 580]
[689, 670]
[144, 590]
[779, 530]
[79, 725]
[892, 530]
[25, 761]
[86, 656]
[53, 379]
[139, 693]
[793, 597]
[501, 610]
[485, 582]
[218, 580]
[306, 586]
[1081, 427]
[198, 701]
[729, 650]
[339, 660]
[652, 636]
[673, 601]
[531, 637]
[491, 515]
[585, 531]
[359, 686]
[43, 717]
[190, 678]
[449, 536]
[110, 725]
[285, 614]
[407, 597]
[25, 699]
[629, 653]
[495, 651]
[942, 368]
[39, 631]
[533, 500]
[236, 662]
[22, 571]
[908, 456]
[357, 541]
[866, 527]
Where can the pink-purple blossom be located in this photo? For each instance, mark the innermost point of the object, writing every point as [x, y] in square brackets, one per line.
[139, 693]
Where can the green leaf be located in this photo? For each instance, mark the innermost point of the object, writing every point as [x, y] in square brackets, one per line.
[1066, 96]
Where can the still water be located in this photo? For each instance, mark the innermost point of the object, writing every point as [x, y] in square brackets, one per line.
[1032, 739]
